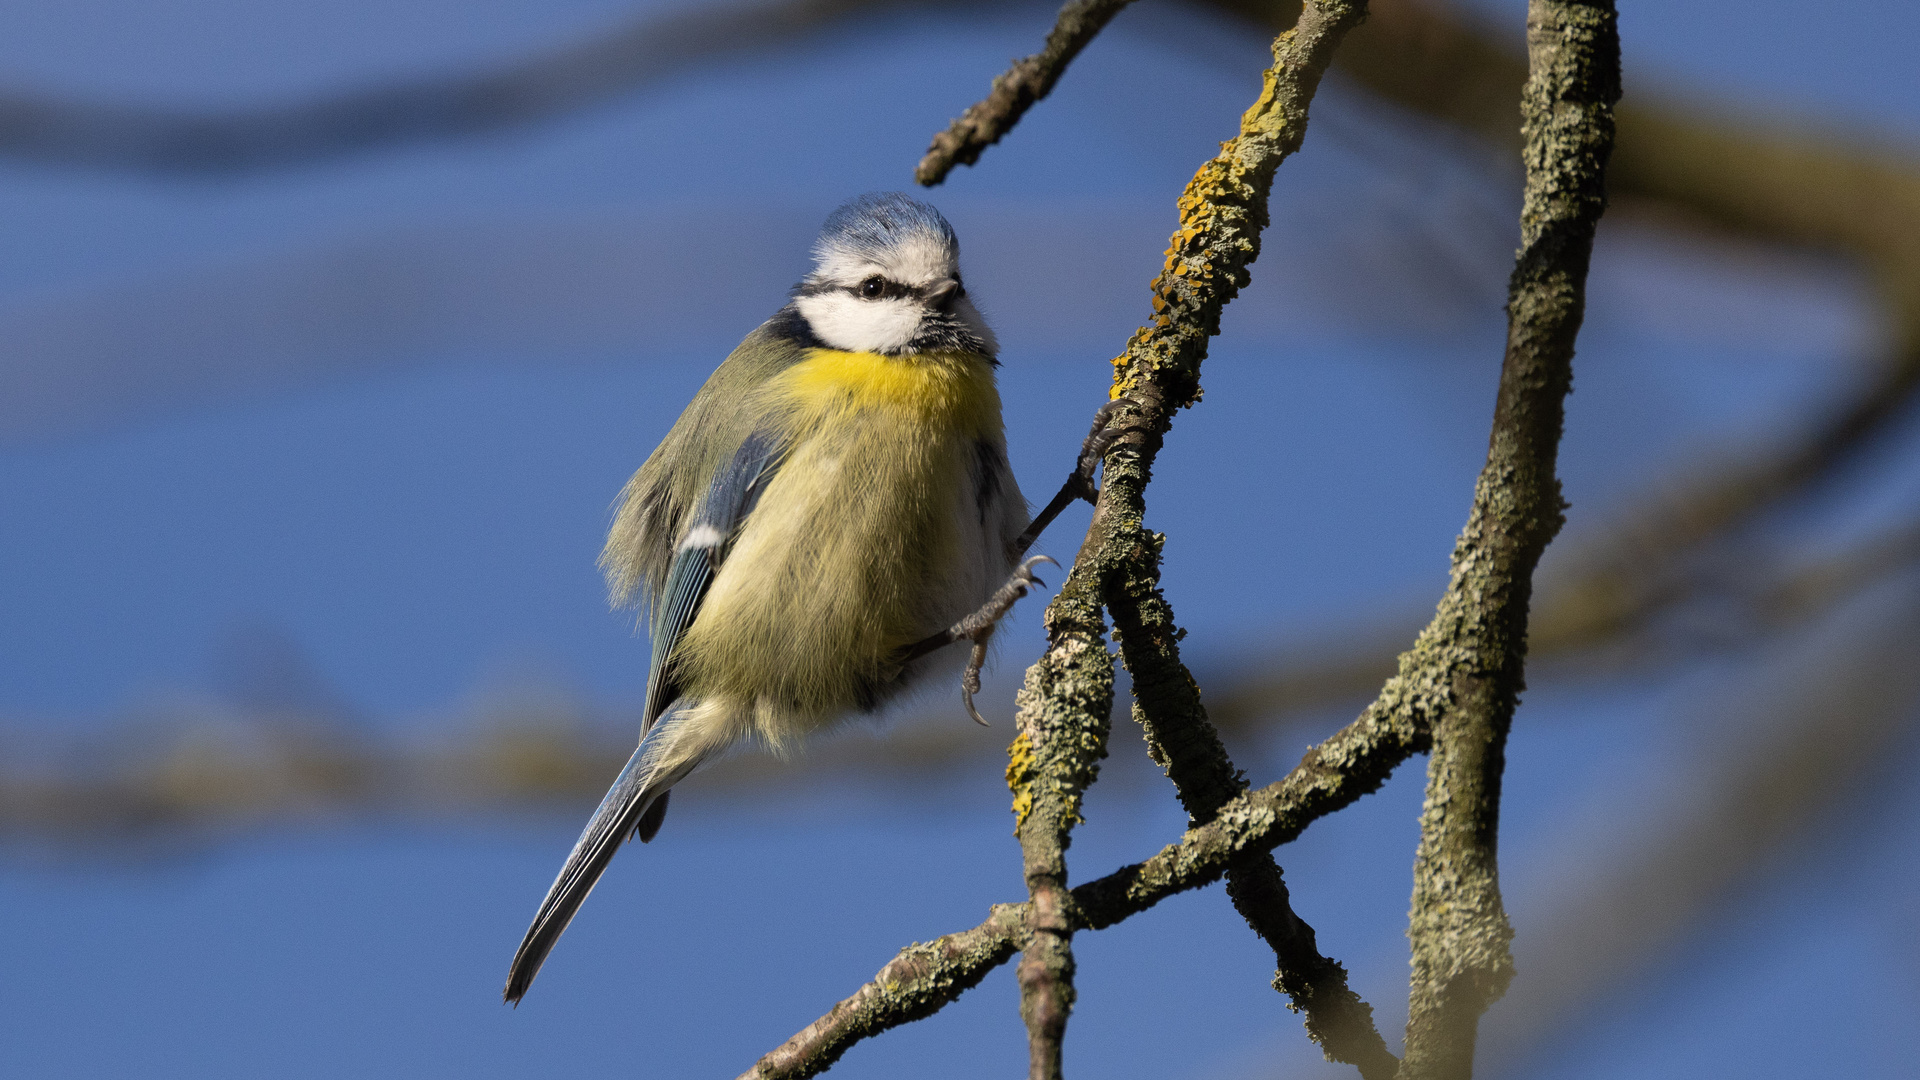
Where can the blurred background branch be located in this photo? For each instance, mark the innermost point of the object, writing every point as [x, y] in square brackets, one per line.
[1788, 761]
[213, 768]
[536, 89]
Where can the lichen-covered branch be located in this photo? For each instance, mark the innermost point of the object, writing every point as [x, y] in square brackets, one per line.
[1458, 925]
[1068, 694]
[1874, 715]
[1015, 91]
[1222, 213]
[1182, 741]
[913, 985]
[1062, 721]
[923, 978]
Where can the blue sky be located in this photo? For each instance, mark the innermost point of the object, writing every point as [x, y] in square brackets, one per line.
[378, 408]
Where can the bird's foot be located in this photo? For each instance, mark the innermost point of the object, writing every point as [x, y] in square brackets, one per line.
[1099, 440]
[979, 626]
[1079, 483]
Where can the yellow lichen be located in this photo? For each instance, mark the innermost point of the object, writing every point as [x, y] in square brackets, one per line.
[1020, 774]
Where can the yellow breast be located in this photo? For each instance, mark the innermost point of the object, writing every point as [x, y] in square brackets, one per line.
[949, 392]
[870, 536]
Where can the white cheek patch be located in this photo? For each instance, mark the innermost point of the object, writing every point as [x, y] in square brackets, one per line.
[846, 322]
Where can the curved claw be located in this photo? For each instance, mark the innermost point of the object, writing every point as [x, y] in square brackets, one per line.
[1025, 570]
[1098, 442]
[970, 680]
[979, 626]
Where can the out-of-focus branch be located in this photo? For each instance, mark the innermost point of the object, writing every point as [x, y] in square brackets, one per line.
[1707, 607]
[1796, 744]
[1015, 91]
[1772, 183]
[1458, 926]
[528, 91]
[1182, 741]
[219, 772]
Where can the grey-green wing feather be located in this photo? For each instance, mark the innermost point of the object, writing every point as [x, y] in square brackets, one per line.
[636, 804]
[656, 503]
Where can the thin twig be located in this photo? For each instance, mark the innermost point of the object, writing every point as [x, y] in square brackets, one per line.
[1015, 91]
[1458, 925]
[1182, 741]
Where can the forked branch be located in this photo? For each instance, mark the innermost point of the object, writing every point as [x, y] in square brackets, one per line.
[1166, 702]
[1068, 694]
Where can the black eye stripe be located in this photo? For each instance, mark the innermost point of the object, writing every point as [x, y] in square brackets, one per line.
[889, 290]
[894, 290]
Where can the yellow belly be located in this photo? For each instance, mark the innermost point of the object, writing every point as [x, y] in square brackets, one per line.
[870, 537]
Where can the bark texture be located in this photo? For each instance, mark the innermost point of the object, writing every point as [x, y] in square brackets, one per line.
[1068, 696]
[1180, 738]
[1458, 926]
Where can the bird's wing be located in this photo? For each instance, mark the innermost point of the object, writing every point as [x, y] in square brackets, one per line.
[702, 547]
[637, 801]
[657, 503]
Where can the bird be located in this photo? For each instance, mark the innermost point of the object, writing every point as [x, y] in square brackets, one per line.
[831, 516]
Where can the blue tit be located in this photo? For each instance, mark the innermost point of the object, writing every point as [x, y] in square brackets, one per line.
[833, 500]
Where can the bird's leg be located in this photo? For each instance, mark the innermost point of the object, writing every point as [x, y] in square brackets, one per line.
[1079, 483]
[978, 628]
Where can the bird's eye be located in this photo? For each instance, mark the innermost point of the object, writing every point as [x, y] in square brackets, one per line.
[873, 288]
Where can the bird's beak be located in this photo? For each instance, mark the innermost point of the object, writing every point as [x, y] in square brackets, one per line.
[941, 294]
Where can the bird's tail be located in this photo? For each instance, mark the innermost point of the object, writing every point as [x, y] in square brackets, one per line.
[646, 779]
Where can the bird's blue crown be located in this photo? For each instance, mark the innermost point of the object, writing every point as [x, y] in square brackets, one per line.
[879, 221]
